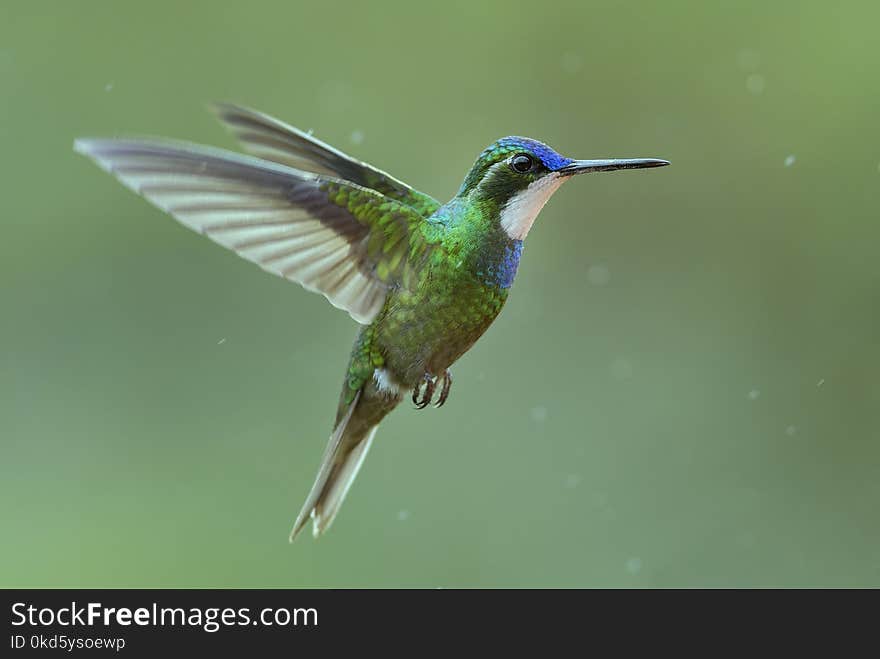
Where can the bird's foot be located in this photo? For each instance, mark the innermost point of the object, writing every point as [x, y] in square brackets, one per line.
[423, 393]
[429, 382]
[444, 392]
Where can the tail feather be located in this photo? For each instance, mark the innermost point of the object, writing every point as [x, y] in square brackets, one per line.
[340, 464]
[334, 494]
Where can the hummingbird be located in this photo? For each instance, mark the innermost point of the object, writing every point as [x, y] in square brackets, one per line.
[423, 279]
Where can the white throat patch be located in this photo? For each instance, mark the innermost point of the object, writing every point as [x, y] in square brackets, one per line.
[521, 210]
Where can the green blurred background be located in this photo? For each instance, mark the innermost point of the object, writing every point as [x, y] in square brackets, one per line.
[682, 391]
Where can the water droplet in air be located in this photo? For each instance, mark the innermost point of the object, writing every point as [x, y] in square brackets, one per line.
[335, 95]
[754, 394]
[755, 83]
[791, 431]
[108, 87]
[538, 414]
[789, 161]
[598, 275]
[402, 515]
[357, 137]
[572, 63]
[634, 565]
[221, 341]
[820, 382]
[571, 481]
[621, 369]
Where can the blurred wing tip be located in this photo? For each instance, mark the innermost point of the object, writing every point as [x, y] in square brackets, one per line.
[98, 147]
[221, 108]
[85, 145]
[237, 116]
[92, 148]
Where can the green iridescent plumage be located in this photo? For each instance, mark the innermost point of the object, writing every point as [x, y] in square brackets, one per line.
[425, 280]
[269, 138]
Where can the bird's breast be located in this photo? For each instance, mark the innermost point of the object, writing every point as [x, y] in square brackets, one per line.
[426, 329]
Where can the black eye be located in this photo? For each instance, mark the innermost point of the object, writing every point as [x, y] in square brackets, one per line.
[521, 163]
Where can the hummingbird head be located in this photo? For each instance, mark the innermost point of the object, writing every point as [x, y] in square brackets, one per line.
[517, 175]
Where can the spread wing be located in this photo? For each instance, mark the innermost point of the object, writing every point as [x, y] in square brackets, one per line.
[346, 241]
[269, 138]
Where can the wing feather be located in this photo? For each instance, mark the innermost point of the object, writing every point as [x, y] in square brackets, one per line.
[267, 137]
[322, 232]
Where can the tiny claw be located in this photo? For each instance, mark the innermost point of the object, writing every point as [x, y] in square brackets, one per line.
[444, 392]
[430, 382]
[415, 396]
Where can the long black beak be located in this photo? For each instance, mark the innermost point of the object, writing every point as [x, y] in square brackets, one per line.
[583, 166]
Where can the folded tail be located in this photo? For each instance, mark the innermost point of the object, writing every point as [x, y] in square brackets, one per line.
[345, 452]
